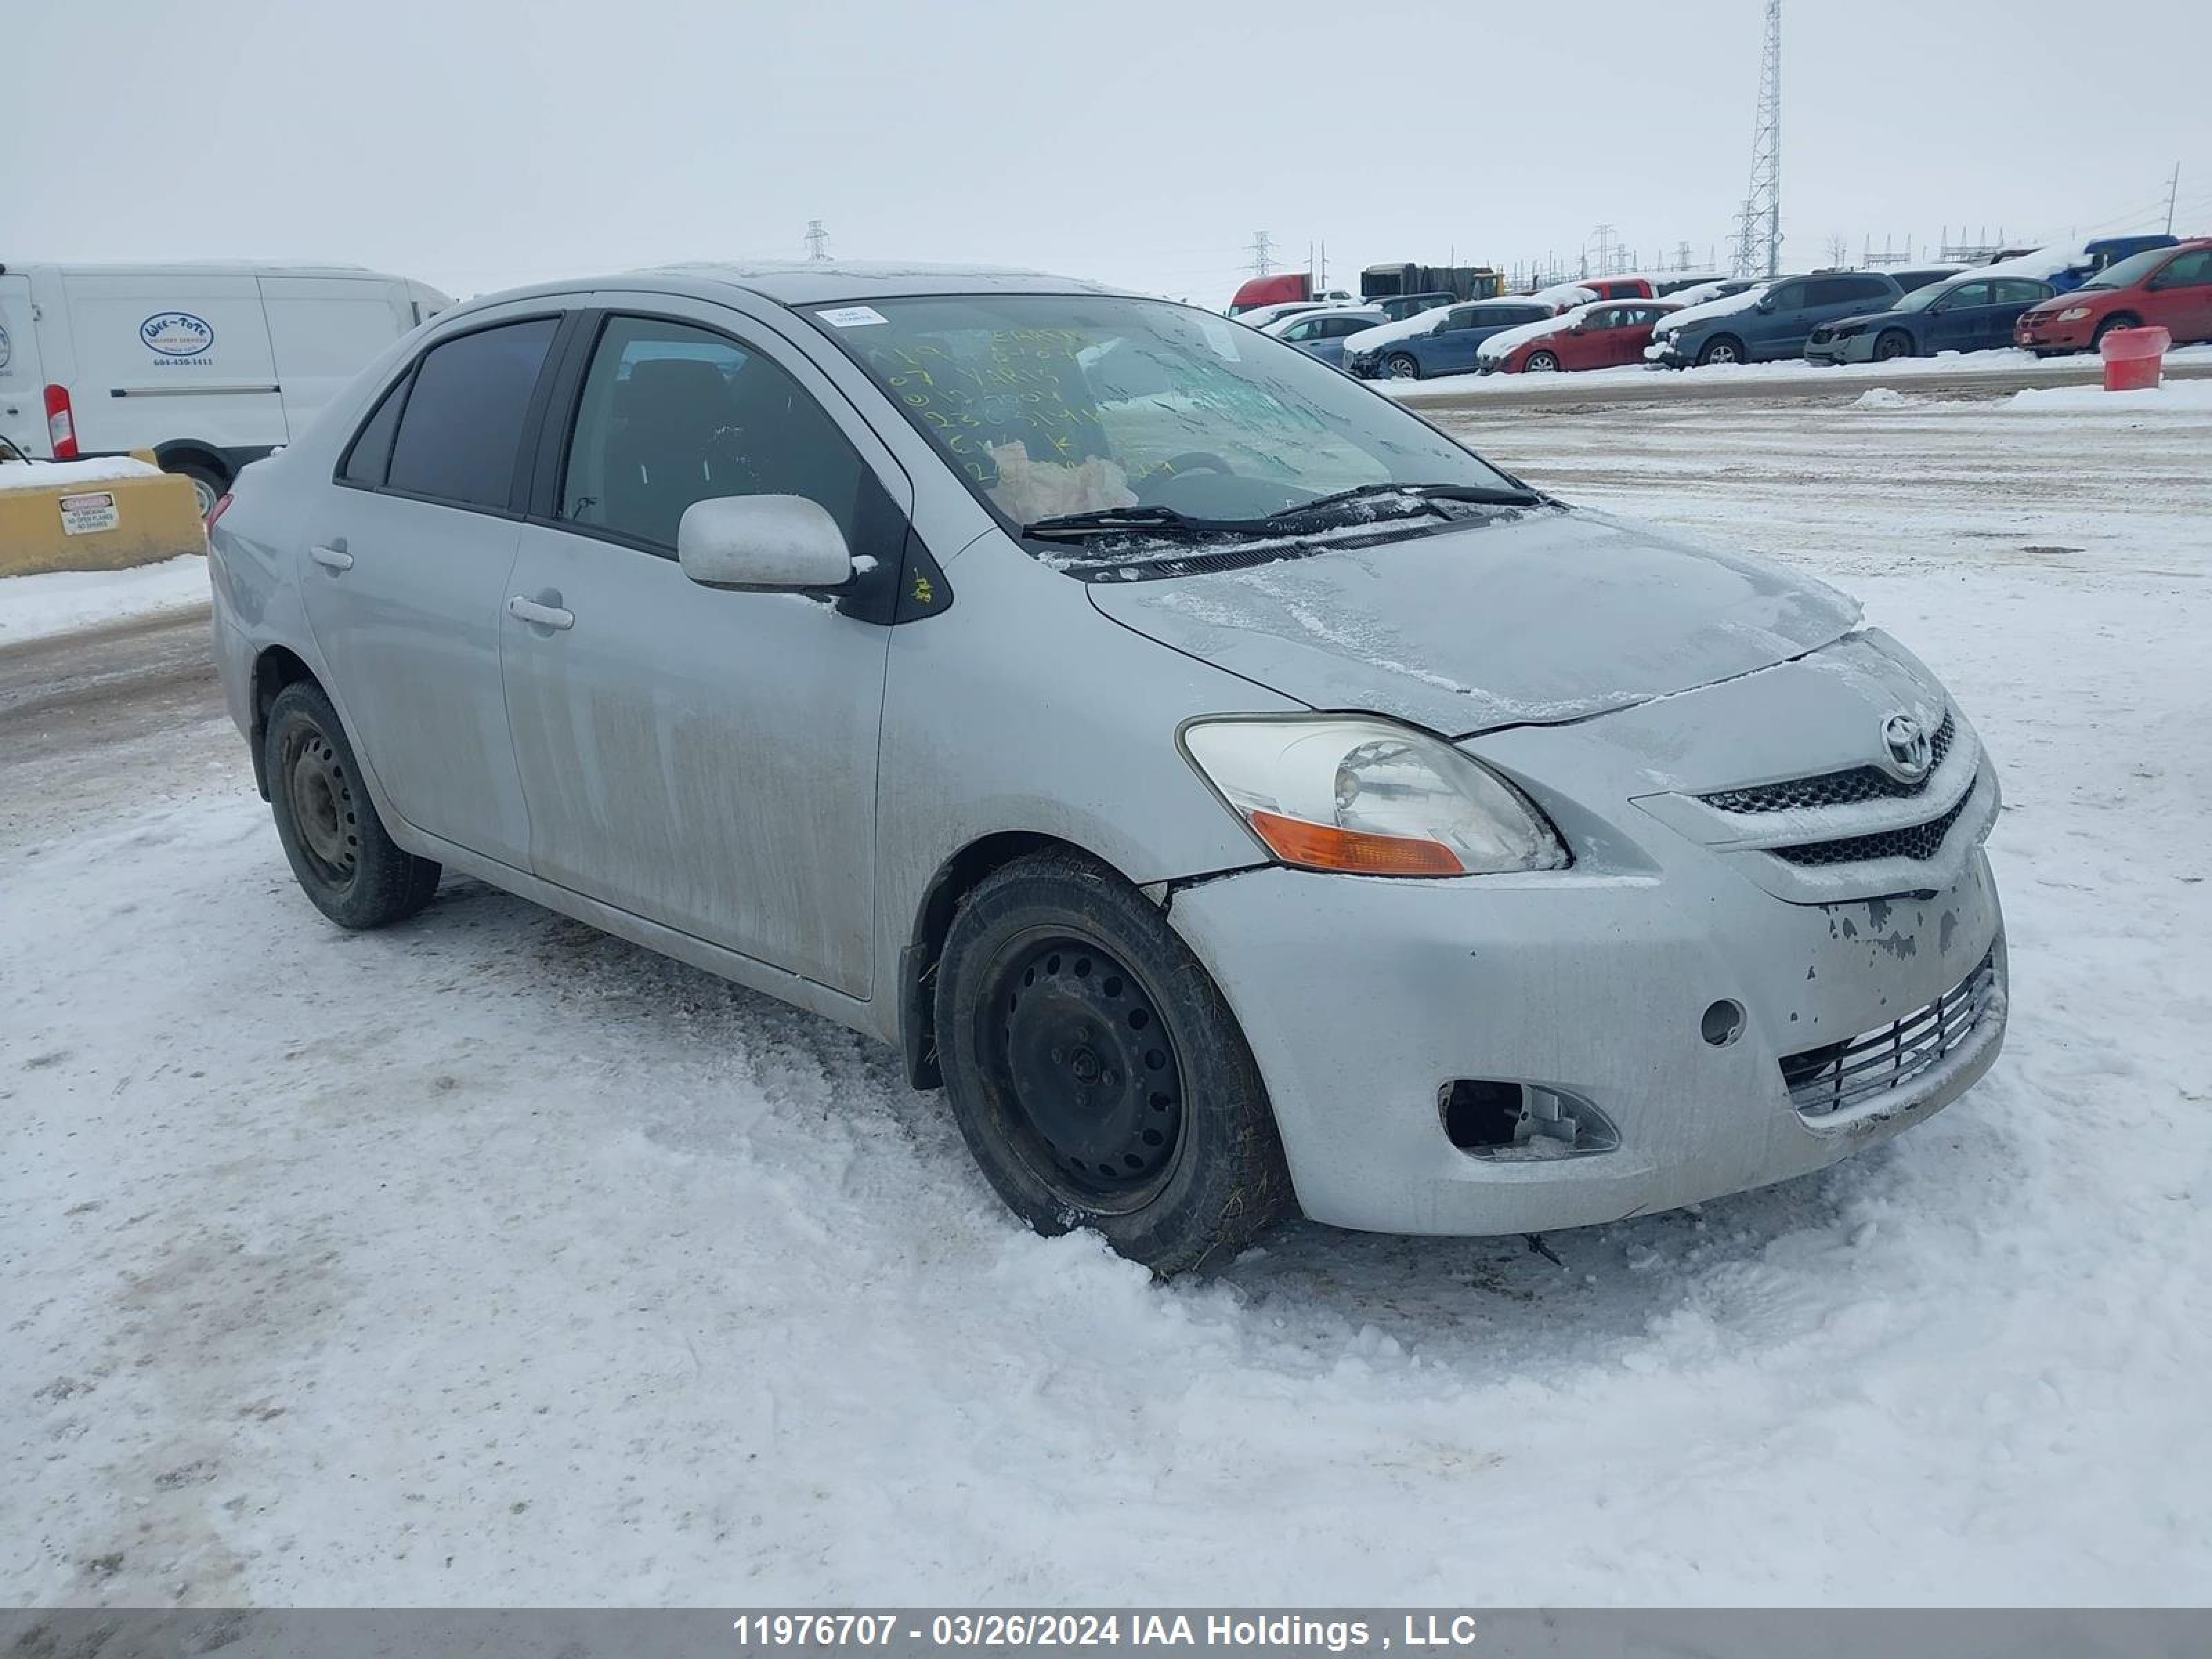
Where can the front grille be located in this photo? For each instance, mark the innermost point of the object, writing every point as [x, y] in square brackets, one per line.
[1825, 1080]
[1843, 788]
[1918, 840]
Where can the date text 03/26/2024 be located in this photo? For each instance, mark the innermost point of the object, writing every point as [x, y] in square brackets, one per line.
[1417, 1630]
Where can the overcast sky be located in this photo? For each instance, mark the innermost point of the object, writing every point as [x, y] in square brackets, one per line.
[478, 143]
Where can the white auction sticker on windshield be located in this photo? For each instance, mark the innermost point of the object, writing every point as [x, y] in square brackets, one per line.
[1223, 338]
[852, 316]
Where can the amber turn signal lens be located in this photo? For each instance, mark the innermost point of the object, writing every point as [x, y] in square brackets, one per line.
[1325, 847]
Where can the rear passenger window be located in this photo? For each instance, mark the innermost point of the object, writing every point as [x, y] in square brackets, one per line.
[672, 414]
[372, 446]
[462, 428]
[2020, 291]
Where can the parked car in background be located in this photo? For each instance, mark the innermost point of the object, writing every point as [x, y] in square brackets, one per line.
[208, 366]
[1607, 334]
[1562, 296]
[1322, 333]
[2167, 287]
[1719, 288]
[1509, 867]
[2105, 252]
[1670, 283]
[1967, 313]
[1260, 316]
[1769, 321]
[1440, 342]
[1281, 289]
[1916, 276]
[1399, 307]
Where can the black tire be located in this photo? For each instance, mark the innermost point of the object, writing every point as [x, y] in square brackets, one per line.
[2119, 319]
[345, 861]
[1721, 349]
[208, 484]
[1892, 344]
[1402, 366]
[1123, 1097]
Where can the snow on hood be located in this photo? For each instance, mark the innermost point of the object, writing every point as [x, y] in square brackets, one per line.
[1726, 305]
[1500, 345]
[1404, 329]
[1529, 617]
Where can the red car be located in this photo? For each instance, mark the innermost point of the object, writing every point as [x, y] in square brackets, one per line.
[1606, 335]
[2167, 287]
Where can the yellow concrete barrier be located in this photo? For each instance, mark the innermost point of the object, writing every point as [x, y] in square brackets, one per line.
[103, 523]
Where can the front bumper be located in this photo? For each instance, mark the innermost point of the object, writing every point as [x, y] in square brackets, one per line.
[2043, 334]
[1666, 353]
[1364, 999]
[1837, 349]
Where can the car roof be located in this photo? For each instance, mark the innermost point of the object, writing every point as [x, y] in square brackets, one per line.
[824, 281]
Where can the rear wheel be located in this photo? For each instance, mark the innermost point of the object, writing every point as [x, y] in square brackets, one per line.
[1893, 343]
[1096, 1074]
[1403, 366]
[1722, 349]
[346, 864]
[1539, 362]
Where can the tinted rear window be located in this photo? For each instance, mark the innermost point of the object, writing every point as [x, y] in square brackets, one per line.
[462, 428]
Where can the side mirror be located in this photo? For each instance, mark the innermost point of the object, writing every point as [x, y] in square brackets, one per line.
[779, 544]
[1763, 303]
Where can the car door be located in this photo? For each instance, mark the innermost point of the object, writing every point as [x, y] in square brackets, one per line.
[703, 759]
[1774, 322]
[2009, 296]
[1954, 322]
[405, 573]
[2179, 299]
[1631, 333]
[1587, 346]
[1450, 350]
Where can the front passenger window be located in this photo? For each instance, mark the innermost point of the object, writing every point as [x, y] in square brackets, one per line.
[672, 414]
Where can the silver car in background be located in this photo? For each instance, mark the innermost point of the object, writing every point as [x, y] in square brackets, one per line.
[1239, 796]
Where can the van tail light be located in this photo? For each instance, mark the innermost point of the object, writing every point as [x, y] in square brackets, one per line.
[220, 507]
[61, 423]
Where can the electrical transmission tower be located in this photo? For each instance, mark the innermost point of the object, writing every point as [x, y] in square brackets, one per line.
[818, 241]
[1606, 250]
[1758, 228]
[1263, 254]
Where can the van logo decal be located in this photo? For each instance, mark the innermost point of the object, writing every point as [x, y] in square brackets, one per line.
[7, 348]
[176, 334]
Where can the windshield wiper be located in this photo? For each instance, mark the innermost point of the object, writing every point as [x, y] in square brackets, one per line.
[1121, 520]
[1481, 495]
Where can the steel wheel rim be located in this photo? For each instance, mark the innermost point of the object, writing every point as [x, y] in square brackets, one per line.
[323, 811]
[1087, 1074]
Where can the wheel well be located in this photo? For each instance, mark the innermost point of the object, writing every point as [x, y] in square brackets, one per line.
[2119, 319]
[959, 876]
[173, 455]
[273, 670]
[1727, 340]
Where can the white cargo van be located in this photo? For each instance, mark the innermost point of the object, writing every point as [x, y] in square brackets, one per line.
[208, 366]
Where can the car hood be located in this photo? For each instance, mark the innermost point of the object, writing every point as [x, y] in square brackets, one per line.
[1526, 618]
[1857, 320]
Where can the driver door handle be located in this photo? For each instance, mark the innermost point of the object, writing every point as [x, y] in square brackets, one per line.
[332, 558]
[544, 615]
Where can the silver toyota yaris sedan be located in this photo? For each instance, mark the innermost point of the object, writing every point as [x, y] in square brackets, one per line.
[1238, 795]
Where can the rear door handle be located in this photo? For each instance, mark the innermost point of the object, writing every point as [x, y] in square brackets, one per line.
[332, 558]
[544, 615]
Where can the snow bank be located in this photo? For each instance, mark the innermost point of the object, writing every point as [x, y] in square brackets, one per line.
[56, 475]
[63, 601]
[2192, 397]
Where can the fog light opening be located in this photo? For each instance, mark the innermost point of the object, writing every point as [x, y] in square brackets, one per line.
[1723, 1023]
[1490, 1118]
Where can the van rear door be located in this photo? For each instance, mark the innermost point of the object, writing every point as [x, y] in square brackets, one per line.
[22, 386]
[323, 330]
[169, 354]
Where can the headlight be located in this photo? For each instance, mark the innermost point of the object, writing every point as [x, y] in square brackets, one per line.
[2073, 313]
[1369, 796]
[1845, 331]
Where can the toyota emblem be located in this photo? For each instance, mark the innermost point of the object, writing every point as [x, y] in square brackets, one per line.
[1905, 747]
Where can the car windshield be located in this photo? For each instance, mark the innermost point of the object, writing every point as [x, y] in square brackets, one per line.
[2129, 271]
[1921, 298]
[1140, 412]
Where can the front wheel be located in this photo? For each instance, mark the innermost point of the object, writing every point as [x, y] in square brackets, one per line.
[348, 866]
[2123, 320]
[1893, 345]
[1725, 349]
[1096, 1074]
[1403, 366]
[1540, 362]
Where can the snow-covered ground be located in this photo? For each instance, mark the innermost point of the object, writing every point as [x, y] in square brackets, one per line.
[487, 1259]
[58, 601]
[1793, 373]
